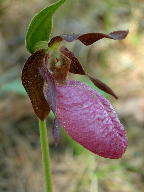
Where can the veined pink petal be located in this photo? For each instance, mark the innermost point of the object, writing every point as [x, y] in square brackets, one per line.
[90, 120]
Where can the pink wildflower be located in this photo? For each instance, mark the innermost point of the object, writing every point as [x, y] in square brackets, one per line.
[84, 113]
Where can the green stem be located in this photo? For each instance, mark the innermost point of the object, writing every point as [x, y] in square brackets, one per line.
[45, 155]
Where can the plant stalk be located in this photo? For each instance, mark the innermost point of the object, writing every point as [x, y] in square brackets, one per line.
[45, 156]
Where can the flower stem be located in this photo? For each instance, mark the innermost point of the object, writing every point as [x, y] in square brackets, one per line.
[45, 156]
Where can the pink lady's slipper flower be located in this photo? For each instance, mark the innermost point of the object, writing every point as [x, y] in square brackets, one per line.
[84, 113]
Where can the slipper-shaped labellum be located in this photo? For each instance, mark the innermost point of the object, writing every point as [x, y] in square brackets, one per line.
[90, 119]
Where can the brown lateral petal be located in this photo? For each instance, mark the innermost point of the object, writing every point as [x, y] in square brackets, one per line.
[89, 38]
[119, 35]
[33, 84]
[50, 84]
[56, 130]
[50, 95]
[60, 69]
[75, 66]
[103, 86]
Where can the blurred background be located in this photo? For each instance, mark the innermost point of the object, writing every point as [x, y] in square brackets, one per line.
[118, 63]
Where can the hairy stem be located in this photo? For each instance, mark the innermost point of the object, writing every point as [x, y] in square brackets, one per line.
[45, 156]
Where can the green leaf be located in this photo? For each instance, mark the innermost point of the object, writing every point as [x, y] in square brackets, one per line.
[41, 25]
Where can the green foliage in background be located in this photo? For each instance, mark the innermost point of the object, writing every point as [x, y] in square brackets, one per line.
[14, 86]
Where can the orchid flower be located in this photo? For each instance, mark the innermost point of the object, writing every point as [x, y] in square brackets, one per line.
[84, 113]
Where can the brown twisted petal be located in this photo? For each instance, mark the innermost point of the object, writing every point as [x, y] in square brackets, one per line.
[77, 69]
[89, 38]
[75, 66]
[50, 95]
[50, 84]
[103, 86]
[56, 130]
[33, 84]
